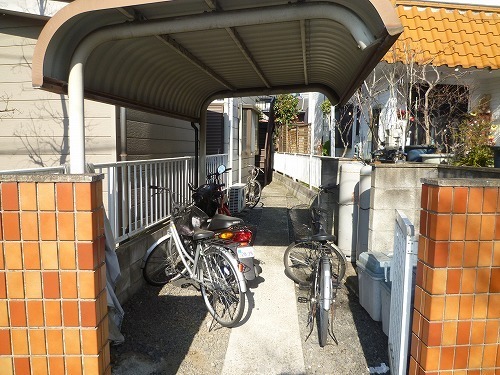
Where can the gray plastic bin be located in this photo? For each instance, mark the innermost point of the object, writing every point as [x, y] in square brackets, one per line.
[373, 269]
[385, 298]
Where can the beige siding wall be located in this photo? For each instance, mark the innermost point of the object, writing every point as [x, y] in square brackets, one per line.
[152, 136]
[34, 123]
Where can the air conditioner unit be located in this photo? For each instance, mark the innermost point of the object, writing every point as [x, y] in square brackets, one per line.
[236, 198]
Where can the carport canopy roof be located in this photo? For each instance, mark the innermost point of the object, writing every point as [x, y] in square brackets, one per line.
[175, 57]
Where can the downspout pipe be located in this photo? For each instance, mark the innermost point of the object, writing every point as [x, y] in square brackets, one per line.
[196, 154]
[123, 134]
[206, 21]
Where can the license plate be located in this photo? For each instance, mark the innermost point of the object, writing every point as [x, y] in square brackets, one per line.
[245, 252]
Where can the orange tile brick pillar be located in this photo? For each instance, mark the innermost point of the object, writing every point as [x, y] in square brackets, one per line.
[455, 328]
[53, 308]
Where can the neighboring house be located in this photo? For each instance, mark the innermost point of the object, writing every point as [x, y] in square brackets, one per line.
[461, 41]
[34, 123]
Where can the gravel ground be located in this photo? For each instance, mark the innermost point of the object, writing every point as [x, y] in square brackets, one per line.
[168, 330]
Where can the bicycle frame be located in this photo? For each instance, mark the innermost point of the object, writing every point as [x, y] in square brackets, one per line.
[191, 264]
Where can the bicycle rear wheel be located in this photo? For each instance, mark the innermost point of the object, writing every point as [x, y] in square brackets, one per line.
[221, 288]
[300, 258]
[322, 293]
[253, 193]
[162, 262]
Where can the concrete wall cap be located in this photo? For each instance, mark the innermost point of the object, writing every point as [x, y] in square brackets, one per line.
[45, 177]
[461, 182]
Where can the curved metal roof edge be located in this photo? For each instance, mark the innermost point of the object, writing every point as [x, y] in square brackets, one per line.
[386, 12]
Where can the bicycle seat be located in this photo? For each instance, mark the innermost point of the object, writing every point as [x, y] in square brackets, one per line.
[202, 234]
[323, 237]
[222, 222]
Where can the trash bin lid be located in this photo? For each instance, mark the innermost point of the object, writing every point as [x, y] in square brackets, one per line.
[376, 263]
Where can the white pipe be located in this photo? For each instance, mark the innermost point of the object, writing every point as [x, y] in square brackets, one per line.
[199, 22]
[231, 138]
[240, 136]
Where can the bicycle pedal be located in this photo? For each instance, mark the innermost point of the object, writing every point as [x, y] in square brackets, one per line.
[302, 299]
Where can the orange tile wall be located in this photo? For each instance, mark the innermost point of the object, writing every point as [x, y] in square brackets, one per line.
[53, 304]
[456, 317]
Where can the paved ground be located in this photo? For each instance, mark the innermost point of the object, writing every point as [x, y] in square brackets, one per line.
[168, 330]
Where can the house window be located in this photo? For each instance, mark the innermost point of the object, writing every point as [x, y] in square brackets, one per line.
[344, 119]
[446, 106]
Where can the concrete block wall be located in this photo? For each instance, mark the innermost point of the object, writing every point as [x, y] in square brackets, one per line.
[394, 186]
[399, 186]
[130, 255]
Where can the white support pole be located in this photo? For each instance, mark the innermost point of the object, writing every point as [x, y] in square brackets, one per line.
[76, 119]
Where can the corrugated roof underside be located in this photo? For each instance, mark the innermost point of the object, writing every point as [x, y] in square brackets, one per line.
[176, 74]
[451, 37]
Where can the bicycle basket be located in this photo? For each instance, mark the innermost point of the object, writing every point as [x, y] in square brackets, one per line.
[300, 217]
[189, 219]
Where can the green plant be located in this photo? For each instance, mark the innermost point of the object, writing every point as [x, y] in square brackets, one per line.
[326, 107]
[326, 148]
[473, 141]
[285, 109]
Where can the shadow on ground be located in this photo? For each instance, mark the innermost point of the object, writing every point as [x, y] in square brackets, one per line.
[371, 337]
[158, 330]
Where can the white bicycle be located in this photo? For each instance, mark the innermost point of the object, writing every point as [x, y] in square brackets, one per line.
[186, 250]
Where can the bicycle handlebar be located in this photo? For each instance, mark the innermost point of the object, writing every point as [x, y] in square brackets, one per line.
[175, 205]
[328, 188]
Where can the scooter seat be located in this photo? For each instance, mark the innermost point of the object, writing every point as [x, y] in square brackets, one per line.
[202, 234]
[220, 221]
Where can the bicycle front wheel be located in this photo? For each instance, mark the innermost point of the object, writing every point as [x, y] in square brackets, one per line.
[253, 193]
[162, 262]
[300, 258]
[221, 288]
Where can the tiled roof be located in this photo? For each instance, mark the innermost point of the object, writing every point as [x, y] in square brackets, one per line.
[449, 34]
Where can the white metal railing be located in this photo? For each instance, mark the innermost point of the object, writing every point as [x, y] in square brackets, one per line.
[403, 262]
[301, 167]
[131, 205]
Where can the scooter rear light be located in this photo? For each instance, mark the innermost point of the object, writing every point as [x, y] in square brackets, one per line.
[226, 235]
[243, 236]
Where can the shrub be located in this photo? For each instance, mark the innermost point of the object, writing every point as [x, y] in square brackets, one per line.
[473, 141]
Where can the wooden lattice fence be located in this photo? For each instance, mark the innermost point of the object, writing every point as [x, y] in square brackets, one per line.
[294, 139]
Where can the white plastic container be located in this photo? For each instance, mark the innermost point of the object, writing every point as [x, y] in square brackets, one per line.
[373, 269]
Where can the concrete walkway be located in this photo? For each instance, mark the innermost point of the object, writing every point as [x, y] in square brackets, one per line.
[269, 342]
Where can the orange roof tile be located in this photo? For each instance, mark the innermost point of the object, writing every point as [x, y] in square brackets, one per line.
[448, 34]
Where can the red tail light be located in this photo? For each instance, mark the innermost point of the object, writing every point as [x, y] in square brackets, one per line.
[242, 236]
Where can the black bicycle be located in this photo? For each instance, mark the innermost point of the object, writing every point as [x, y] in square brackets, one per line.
[315, 262]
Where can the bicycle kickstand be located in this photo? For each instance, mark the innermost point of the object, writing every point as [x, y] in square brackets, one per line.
[330, 331]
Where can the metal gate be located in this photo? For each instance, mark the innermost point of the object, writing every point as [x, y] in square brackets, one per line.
[403, 262]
